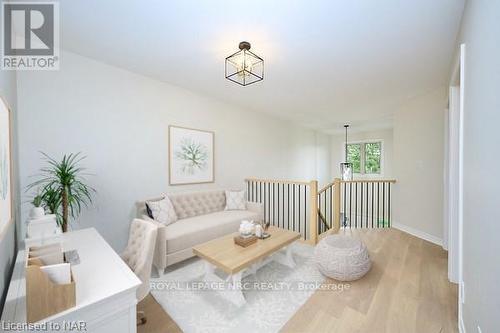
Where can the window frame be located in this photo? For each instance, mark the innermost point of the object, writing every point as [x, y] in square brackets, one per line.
[363, 156]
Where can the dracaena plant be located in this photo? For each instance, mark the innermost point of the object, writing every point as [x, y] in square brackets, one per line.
[63, 187]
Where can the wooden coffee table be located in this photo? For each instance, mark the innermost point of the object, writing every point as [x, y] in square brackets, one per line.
[237, 261]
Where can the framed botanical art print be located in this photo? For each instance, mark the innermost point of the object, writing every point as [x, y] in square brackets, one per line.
[5, 167]
[190, 155]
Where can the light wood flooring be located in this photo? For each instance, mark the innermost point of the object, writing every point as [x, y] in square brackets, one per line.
[406, 291]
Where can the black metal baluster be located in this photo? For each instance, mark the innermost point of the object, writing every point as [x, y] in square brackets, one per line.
[344, 199]
[264, 203]
[288, 207]
[299, 216]
[305, 211]
[254, 192]
[389, 205]
[251, 191]
[383, 204]
[331, 206]
[350, 204]
[355, 205]
[372, 204]
[361, 202]
[269, 208]
[274, 206]
[279, 218]
[294, 210]
[378, 205]
[283, 204]
[327, 208]
[318, 225]
[367, 205]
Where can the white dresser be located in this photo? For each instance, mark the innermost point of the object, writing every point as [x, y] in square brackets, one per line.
[105, 289]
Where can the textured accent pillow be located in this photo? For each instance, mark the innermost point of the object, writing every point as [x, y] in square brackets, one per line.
[162, 210]
[235, 200]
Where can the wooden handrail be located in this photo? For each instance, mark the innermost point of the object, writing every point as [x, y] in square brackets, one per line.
[278, 181]
[369, 181]
[326, 187]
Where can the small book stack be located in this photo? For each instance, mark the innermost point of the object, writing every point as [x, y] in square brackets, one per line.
[245, 241]
[50, 287]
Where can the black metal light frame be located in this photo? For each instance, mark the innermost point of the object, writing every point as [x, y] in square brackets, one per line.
[244, 48]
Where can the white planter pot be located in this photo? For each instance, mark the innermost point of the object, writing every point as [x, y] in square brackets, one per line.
[37, 212]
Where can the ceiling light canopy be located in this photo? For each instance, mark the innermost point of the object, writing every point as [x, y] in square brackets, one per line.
[244, 67]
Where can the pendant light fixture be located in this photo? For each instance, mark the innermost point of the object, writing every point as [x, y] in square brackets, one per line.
[346, 167]
[244, 67]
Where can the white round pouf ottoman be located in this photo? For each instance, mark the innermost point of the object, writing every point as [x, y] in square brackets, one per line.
[342, 257]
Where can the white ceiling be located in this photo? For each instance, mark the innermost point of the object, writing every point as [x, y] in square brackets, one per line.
[326, 62]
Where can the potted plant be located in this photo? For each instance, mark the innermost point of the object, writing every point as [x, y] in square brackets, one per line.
[37, 210]
[64, 188]
[51, 199]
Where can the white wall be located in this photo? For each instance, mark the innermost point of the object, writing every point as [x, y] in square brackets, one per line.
[418, 165]
[481, 196]
[323, 159]
[119, 120]
[337, 155]
[8, 233]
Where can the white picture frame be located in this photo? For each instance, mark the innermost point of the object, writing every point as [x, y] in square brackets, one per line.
[190, 156]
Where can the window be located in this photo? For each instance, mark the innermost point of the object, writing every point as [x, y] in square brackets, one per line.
[354, 156]
[366, 157]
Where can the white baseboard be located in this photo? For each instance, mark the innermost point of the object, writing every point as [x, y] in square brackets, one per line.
[418, 233]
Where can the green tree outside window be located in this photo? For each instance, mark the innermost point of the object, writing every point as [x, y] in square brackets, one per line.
[354, 156]
[366, 157]
[372, 157]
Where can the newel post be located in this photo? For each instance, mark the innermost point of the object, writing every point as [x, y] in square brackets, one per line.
[336, 205]
[313, 220]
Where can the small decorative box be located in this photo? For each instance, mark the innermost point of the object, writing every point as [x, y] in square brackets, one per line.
[245, 241]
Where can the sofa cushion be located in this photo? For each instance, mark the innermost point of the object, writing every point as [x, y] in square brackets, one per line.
[188, 232]
[197, 203]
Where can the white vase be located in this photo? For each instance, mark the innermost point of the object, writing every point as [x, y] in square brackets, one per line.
[37, 212]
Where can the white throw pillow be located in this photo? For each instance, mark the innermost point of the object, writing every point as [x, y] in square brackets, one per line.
[162, 210]
[235, 200]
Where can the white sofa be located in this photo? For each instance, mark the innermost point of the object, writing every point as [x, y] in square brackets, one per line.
[201, 217]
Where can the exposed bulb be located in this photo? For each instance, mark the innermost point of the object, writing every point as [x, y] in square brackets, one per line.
[244, 67]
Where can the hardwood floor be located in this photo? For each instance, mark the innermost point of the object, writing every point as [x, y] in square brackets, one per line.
[406, 291]
[158, 321]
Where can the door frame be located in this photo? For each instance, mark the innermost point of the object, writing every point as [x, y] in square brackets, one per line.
[453, 180]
